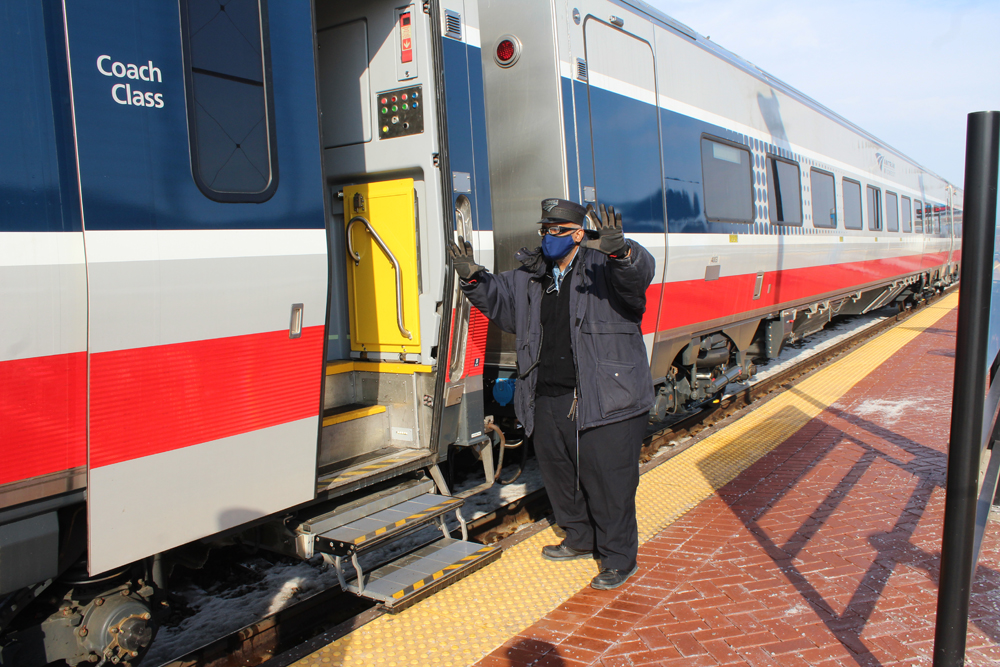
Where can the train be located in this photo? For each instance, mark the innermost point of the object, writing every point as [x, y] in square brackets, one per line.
[228, 314]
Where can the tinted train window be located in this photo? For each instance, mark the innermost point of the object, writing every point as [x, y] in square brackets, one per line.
[874, 209]
[852, 204]
[891, 212]
[824, 203]
[907, 215]
[230, 104]
[784, 192]
[958, 223]
[728, 183]
[918, 220]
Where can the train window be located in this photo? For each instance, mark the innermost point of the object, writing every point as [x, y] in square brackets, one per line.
[907, 215]
[229, 99]
[874, 196]
[728, 182]
[784, 192]
[824, 201]
[918, 219]
[891, 212]
[852, 204]
[957, 227]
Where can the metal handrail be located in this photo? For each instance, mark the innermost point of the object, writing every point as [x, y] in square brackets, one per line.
[395, 267]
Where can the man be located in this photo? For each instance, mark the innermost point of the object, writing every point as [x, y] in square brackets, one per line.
[584, 386]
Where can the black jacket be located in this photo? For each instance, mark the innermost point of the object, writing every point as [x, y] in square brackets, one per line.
[607, 301]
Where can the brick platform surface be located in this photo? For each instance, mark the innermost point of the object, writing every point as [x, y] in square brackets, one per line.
[824, 552]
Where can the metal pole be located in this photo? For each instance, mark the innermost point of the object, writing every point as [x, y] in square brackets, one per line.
[969, 394]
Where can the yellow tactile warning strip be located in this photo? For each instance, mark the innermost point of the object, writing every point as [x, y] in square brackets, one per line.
[440, 508]
[357, 413]
[485, 551]
[464, 622]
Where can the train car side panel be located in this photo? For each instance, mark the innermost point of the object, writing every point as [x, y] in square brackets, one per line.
[207, 267]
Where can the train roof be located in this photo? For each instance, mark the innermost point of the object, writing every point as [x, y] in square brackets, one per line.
[669, 22]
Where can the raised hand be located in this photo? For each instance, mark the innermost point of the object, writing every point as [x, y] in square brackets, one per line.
[610, 238]
[462, 259]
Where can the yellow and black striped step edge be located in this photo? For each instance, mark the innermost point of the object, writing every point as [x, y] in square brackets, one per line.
[448, 569]
[419, 517]
[372, 468]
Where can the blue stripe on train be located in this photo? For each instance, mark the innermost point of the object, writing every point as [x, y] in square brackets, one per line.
[38, 186]
[466, 109]
[134, 161]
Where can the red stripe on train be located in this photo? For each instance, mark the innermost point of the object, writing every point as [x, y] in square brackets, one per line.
[475, 352]
[43, 413]
[688, 302]
[156, 399]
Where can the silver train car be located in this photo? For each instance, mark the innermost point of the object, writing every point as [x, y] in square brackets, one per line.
[766, 212]
[226, 312]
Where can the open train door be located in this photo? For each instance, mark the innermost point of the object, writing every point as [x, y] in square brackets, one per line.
[625, 135]
[206, 265]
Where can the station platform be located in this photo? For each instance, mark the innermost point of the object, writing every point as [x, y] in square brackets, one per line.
[806, 531]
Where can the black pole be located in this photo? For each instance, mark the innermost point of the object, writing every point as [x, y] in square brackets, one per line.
[957, 549]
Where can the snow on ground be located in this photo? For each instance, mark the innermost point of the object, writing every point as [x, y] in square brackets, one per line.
[834, 333]
[269, 588]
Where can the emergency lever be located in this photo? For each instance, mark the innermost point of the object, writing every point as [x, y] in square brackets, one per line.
[395, 267]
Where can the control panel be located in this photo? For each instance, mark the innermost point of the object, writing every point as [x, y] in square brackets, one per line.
[400, 112]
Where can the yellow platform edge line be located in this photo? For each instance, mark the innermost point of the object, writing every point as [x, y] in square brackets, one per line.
[350, 415]
[461, 624]
[346, 366]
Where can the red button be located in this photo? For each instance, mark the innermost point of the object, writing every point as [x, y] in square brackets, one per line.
[394, 98]
[404, 96]
[383, 100]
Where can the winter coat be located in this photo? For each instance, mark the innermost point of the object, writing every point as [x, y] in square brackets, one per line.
[607, 301]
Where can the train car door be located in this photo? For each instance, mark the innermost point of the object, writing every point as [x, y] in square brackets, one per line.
[625, 135]
[204, 229]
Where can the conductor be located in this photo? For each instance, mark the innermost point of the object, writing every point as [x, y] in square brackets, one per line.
[584, 387]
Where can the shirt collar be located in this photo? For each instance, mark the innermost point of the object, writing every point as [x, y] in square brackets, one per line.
[558, 274]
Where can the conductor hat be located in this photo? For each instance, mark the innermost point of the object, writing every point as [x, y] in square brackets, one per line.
[562, 210]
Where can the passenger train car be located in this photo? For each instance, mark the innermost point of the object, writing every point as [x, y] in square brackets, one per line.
[226, 309]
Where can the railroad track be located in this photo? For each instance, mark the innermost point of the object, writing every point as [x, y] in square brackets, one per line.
[295, 632]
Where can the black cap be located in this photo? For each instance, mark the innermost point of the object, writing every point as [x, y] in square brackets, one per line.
[562, 210]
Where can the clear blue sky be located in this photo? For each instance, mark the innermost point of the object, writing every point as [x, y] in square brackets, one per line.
[909, 72]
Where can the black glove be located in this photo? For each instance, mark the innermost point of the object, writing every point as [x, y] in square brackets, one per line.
[610, 238]
[461, 258]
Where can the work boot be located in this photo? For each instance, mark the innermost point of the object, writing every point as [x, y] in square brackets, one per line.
[609, 578]
[563, 552]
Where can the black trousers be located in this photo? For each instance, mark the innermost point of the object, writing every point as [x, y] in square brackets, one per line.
[601, 514]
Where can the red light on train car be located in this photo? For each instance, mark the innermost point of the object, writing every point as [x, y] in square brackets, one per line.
[507, 51]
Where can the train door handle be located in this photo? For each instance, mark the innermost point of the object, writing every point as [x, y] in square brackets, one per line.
[395, 267]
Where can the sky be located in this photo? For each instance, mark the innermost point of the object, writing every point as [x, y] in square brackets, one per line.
[908, 72]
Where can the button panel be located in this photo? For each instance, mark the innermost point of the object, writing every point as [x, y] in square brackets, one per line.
[400, 112]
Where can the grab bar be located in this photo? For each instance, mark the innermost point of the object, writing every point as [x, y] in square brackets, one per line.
[395, 267]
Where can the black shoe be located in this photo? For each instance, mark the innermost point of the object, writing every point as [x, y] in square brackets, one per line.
[609, 579]
[563, 552]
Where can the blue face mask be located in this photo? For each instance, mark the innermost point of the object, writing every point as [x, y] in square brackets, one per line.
[556, 247]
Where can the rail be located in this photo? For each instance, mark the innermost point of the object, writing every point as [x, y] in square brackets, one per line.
[395, 267]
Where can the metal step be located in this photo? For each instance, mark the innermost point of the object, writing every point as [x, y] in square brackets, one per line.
[423, 572]
[370, 531]
[390, 463]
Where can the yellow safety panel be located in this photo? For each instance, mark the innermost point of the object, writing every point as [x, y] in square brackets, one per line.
[466, 621]
[371, 279]
[337, 367]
